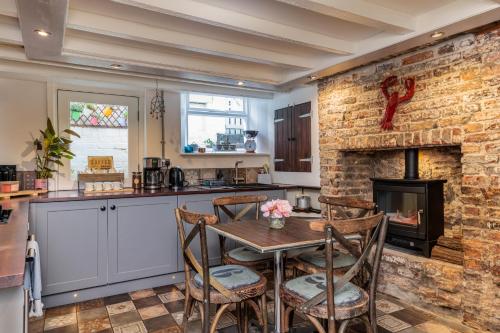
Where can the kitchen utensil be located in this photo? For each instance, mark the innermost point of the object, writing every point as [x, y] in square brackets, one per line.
[153, 177]
[176, 178]
[303, 202]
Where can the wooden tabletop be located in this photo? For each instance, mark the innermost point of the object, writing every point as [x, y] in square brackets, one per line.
[13, 236]
[258, 235]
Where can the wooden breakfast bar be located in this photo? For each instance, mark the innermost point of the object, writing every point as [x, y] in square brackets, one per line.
[257, 235]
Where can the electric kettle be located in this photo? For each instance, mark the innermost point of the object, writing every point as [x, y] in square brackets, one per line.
[176, 179]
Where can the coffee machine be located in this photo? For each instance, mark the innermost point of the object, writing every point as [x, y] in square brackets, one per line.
[152, 173]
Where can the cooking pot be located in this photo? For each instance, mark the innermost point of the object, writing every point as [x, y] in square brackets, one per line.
[303, 202]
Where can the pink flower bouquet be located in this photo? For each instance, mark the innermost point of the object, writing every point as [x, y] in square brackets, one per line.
[276, 209]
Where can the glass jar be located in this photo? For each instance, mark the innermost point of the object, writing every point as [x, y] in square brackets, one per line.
[276, 222]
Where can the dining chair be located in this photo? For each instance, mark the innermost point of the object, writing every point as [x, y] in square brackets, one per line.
[241, 255]
[325, 297]
[221, 285]
[336, 208]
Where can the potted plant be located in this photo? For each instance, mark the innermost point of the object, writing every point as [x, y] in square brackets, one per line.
[276, 211]
[51, 149]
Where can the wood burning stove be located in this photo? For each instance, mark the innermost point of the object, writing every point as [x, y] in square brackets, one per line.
[415, 207]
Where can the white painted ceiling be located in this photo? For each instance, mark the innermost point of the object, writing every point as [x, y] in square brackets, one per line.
[267, 44]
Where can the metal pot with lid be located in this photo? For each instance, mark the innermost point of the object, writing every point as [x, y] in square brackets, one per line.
[303, 202]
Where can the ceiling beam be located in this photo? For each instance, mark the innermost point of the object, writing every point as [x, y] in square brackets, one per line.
[221, 17]
[361, 12]
[49, 16]
[127, 54]
[136, 31]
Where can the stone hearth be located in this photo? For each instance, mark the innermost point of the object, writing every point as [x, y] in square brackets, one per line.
[454, 115]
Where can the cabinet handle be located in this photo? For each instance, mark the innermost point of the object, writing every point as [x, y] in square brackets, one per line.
[102, 208]
[113, 207]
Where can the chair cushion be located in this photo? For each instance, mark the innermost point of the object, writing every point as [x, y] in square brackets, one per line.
[231, 276]
[308, 286]
[244, 254]
[318, 258]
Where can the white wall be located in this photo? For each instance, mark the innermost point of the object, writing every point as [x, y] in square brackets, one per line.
[23, 111]
[297, 96]
[28, 95]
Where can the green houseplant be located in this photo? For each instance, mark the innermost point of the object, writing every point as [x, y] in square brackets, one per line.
[50, 150]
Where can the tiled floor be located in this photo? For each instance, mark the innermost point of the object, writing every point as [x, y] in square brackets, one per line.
[160, 310]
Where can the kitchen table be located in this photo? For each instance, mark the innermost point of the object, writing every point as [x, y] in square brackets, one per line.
[257, 235]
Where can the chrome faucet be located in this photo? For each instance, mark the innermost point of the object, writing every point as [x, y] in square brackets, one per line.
[237, 179]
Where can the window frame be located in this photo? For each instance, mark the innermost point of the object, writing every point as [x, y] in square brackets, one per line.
[187, 111]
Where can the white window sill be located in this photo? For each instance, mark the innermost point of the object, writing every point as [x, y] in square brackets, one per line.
[224, 153]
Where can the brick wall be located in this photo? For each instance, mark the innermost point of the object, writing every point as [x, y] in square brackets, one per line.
[455, 108]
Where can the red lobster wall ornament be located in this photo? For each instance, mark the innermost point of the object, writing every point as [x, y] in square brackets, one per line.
[393, 99]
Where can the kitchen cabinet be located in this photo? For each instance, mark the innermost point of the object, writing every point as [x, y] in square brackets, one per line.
[201, 203]
[142, 236]
[292, 138]
[73, 245]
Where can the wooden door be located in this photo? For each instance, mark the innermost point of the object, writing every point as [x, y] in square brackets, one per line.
[282, 136]
[301, 138]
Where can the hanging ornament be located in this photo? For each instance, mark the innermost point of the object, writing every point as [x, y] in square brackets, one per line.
[157, 107]
[108, 111]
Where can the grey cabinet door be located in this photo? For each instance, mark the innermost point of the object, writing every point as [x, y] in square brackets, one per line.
[201, 203]
[142, 237]
[73, 245]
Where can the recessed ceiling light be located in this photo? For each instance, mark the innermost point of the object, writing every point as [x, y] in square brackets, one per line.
[312, 77]
[241, 83]
[42, 32]
[115, 66]
[437, 34]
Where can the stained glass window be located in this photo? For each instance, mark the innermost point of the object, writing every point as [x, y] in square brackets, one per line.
[98, 115]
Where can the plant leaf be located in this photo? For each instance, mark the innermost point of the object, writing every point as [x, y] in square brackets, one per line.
[71, 132]
[50, 128]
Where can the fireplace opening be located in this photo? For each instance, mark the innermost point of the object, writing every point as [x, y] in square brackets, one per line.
[415, 207]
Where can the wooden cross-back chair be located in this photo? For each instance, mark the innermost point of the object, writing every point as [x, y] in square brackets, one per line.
[324, 297]
[241, 255]
[221, 285]
[336, 208]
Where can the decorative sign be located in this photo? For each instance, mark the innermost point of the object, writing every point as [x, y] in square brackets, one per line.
[393, 99]
[100, 162]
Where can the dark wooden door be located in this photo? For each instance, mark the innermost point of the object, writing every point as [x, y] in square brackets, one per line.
[292, 138]
[301, 138]
[281, 139]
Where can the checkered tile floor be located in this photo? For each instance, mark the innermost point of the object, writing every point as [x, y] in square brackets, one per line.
[160, 310]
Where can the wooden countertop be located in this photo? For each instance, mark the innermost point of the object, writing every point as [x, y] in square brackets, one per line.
[13, 237]
[59, 196]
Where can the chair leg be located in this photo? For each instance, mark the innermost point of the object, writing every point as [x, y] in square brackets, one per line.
[263, 309]
[217, 317]
[317, 325]
[290, 318]
[255, 307]
[239, 317]
[282, 309]
[245, 317]
[368, 324]
[188, 305]
[343, 326]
